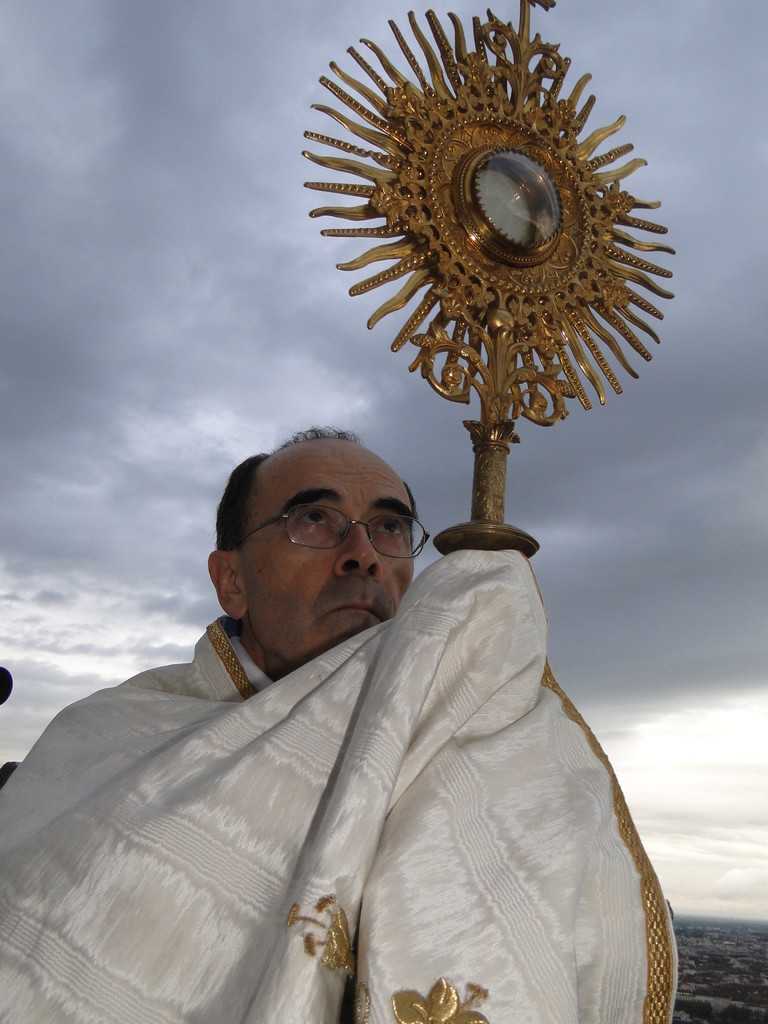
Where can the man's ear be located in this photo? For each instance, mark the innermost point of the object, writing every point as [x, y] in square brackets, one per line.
[224, 570]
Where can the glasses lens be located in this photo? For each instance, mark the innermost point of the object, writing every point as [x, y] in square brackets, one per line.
[399, 536]
[316, 526]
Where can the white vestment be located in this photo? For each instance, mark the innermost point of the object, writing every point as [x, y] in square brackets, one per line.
[171, 852]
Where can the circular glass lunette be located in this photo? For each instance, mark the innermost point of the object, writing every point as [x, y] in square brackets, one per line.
[518, 199]
[518, 219]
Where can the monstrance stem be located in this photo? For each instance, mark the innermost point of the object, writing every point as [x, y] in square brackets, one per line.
[487, 531]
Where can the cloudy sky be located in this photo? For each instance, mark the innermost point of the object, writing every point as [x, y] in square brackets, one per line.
[168, 308]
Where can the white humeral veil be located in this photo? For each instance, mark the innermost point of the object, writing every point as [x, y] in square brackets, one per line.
[170, 852]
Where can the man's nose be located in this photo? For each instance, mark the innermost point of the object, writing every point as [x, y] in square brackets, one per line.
[357, 554]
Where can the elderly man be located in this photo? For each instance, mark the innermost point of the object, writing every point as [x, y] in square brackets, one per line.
[314, 544]
[404, 803]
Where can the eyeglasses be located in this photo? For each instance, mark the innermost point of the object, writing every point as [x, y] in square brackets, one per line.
[317, 526]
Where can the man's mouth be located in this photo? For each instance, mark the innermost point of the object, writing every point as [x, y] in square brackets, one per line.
[354, 607]
[350, 596]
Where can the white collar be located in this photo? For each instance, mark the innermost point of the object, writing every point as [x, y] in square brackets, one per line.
[256, 677]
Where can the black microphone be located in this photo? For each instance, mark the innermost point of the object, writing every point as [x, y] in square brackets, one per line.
[6, 684]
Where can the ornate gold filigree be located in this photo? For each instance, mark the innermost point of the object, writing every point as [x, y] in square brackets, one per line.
[441, 1006]
[523, 320]
[333, 938]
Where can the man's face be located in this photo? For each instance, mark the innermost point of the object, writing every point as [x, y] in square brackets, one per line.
[296, 602]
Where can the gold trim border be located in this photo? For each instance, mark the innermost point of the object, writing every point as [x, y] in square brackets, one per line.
[661, 959]
[223, 648]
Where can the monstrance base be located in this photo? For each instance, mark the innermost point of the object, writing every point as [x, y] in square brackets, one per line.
[485, 536]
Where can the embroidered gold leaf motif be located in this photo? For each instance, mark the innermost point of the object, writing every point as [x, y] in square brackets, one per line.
[441, 1006]
[338, 948]
[334, 934]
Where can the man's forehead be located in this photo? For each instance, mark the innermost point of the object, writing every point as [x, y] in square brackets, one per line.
[327, 465]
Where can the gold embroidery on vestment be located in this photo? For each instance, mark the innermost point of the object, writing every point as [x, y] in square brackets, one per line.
[336, 946]
[441, 1006]
[658, 999]
[362, 1004]
[223, 648]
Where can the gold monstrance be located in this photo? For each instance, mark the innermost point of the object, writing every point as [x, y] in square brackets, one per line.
[516, 233]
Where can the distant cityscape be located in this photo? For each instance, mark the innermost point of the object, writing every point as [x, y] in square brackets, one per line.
[722, 972]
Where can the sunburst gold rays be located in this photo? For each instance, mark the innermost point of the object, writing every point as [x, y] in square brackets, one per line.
[421, 139]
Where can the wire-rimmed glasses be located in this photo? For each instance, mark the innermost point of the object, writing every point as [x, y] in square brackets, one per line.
[319, 526]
